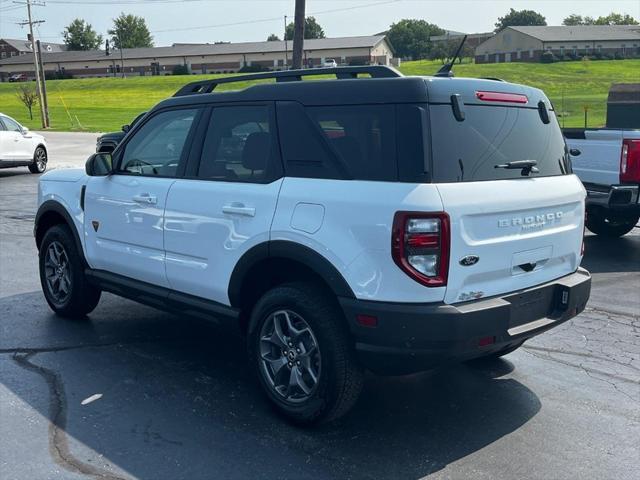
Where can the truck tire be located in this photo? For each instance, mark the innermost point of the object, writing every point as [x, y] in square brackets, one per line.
[62, 275]
[611, 225]
[299, 349]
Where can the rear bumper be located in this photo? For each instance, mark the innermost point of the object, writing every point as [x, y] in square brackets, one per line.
[415, 337]
[616, 198]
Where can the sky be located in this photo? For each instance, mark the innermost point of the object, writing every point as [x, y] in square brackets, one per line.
[202, 21]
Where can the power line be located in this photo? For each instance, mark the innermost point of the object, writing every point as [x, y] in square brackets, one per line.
[271, 19]
[40, 87]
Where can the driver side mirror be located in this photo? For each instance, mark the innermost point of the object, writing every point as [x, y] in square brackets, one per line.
[99, 165]
[126, 128]
[25, 130]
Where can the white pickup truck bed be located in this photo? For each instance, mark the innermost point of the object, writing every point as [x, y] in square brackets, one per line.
[613, 204]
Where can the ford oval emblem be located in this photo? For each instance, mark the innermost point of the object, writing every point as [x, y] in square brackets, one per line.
[469, 260]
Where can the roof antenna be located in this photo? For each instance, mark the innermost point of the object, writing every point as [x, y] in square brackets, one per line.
[445, 70]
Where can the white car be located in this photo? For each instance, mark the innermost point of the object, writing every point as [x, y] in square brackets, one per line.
[391, 224]
[330, 63]
[21, 148]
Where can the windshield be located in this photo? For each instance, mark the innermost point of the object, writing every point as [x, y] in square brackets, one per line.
[471, 150]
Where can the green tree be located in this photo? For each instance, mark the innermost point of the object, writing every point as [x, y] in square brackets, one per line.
[574, 19]
[410, 37]
[273, 38]
[519, 18]
[80, 35]
[130, 31]
[616, 19]
[312, 29]
[444, 51]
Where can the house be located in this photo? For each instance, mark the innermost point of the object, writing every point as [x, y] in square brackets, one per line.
[526, 44]
[12, 48]
[205, 58]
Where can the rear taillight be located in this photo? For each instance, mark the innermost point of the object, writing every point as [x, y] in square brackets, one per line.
[420, 246]
[630, 161]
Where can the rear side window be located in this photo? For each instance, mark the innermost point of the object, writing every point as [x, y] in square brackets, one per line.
[239, 145]
[469, 151]
[362, 136]
[343, 142]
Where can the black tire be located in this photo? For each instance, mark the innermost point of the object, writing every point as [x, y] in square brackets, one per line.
[39, 164]
[81, 298]
[339, 375]
[611, 225]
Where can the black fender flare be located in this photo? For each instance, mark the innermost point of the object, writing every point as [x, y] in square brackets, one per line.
[50, 206]
[291, 251]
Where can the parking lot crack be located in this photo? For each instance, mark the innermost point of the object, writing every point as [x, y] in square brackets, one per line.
[58, 442]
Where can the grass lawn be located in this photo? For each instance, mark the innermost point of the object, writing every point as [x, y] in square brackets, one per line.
[104, 104]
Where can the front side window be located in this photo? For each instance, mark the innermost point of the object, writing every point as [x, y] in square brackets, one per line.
[160, 145]
[238, 145]
[11, 125]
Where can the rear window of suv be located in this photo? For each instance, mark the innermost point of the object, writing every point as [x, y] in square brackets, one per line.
[469, 150]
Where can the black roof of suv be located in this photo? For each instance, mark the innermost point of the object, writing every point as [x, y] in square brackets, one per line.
[385, 85]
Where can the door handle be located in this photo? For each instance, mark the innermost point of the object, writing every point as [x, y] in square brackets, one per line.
[145, 198]
[237, 208]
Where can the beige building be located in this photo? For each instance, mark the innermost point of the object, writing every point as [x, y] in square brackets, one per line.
[207, 58]
[526, 44]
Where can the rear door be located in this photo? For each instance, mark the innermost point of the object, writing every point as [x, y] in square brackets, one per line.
[226, 203]
[509, 229]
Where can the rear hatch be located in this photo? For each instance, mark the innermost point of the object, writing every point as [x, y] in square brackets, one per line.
[511, 228]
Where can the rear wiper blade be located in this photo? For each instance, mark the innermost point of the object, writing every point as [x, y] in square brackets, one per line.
[527, 166]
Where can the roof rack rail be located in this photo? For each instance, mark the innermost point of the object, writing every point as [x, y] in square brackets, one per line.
[207, 86]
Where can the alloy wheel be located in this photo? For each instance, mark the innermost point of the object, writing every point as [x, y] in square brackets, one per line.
[41, 159]
[289, 356]
[57, 272]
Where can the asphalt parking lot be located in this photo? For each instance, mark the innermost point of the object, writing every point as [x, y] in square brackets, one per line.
[177, 400]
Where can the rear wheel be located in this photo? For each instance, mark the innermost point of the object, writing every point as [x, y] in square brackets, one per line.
[39, 164]
[62, 275]
[610, 225]
[300, 350]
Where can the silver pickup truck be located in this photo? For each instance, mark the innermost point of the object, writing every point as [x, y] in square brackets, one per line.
[607, 161]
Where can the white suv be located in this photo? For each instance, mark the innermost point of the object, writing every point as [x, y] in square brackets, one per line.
[389, 223]
[21, 148]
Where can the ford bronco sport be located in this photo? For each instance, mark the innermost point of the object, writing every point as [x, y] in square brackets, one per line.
[389, 223]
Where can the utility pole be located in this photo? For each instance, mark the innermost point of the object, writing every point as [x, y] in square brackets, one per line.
[298, 35]
[286, 55]
[31, 23]
[121, 55]
[45, 102]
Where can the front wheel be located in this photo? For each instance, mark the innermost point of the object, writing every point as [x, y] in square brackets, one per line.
[62, 275]
[611, 225]
[300, 350]
[39, 164]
